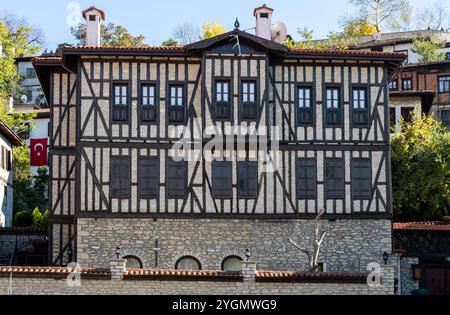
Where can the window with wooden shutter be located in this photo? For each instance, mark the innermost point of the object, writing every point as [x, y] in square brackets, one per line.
[222, 179]
[121, 105]
[305, 110]
[249, 100]
[176, 179]
[333, 106]
[306, 179]
[334, 178]
[148, 178]
[8, 161]
[247, 180]
[176, 103]
[223, 99]
[361, 179]
[360, 111]
[148, 103]
[120, 180]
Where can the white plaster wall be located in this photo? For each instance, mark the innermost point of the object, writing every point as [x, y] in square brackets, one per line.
[6, 206]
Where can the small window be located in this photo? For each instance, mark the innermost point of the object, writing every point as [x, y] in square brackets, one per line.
[176, 103]
[188, 263]
[222, 179]
[360, 112]
[30, 73]
[8, 161]
[445, 117]
[249, 100]
[232, 263]
[132, 262]
[148, 178]
[333, 106]
[176, 185]
[361, 179]
[393, 85]
[121, 103]
[447, 56]
[407, 84]
[444, 84]
[148, 103]
[222, 99]
[247, 180]
[264, 15]
[92, 18]
[305, 110]
[306, 176]
[120, 177]
[335, 178]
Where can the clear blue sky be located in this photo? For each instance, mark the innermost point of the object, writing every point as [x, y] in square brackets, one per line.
[156, 19]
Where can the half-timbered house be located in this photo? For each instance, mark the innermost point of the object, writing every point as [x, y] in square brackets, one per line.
[116, 185]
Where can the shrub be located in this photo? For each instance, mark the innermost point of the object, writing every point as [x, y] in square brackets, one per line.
[23, 219]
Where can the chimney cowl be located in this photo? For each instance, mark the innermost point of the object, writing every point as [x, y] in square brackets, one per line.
[94, 18]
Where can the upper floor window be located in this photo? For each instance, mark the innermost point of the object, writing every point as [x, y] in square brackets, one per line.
[148, 103]
[176, 180]
[249, 101]
[177, 103]
[222, 179]
[305, 110]
[121, 103]
[120, 177]
[222, 99]
[5, 159]
[444, 84]
[333, 106]
[30, 73]
[360, 110]
[407, 84]
[393, 85]
[247, 180]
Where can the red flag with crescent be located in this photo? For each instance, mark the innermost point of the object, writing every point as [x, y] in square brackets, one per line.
[38, 149]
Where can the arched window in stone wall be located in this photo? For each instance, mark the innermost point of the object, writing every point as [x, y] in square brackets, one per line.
[188, 263]
[132, 262]
[232, 263]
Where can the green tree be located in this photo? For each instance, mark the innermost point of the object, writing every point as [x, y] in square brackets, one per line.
[110, 34]
[170, 42]
[421, 170]
[339, 41]
[429, 50]
[37, 217]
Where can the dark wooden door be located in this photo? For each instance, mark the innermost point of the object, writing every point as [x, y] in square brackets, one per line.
[436, 280]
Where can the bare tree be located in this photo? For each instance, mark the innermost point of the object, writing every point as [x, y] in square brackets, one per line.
[186, 33]
[313, 257]
[381, 13]
[13, 22]
[432, 15]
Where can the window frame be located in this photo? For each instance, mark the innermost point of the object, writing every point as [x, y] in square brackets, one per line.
[326, 170]
[396, 85]
[229, 189]
[447, 122]
[155, 195]
[240, 193]
[169, 107]
[188, 257]
[448, 84]
[302, 196]
[115, 107]
[154, 84]
[403, 84]
[310, 109]
[135, 258]
[170, 163]
[360, 196]
[365, 110]
[243, 81]
[339, 110]
[111, 176]
[223, 103]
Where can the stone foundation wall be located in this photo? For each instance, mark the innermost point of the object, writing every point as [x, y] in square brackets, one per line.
[350, 245]
[408, 284]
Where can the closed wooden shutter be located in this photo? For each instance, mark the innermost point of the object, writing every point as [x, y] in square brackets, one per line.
[222, 179]
[148, 178]
[176, 179]
[335, 179]
[361, 179]
[247, 180]
[306, 178]
[120, 177]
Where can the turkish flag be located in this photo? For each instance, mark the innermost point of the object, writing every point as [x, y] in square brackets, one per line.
[38, 152]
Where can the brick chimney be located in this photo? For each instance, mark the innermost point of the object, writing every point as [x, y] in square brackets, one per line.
[94, 18]
[263, 16]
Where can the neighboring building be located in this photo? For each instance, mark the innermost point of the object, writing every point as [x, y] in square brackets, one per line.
[8, 139]
[115, 180]
[425, 259]
[33, 95]
[423, 88]
[402, 42]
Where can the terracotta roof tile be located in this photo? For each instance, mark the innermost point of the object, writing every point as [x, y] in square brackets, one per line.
[424, 226]
[179, 274]
[144, 47]
[311, 276]
[327, 52]
[50, 271]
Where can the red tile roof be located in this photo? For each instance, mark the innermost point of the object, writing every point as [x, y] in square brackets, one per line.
[47, 60]
[286, 276]
[165, 274]
[330, 52]
[58, 272]
[424, 226]
[119, 48]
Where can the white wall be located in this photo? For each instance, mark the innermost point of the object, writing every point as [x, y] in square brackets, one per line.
[6, 206]
[412, 57]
